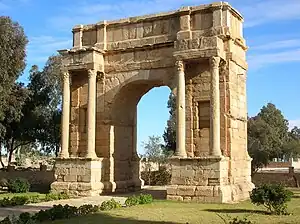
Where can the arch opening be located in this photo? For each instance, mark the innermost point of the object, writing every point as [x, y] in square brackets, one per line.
[125, 119]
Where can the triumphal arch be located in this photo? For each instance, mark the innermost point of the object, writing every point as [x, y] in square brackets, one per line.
[199, 52]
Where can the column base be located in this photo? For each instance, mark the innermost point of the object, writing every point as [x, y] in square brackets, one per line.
[63, 155]
[206, 180]
[210, 194]
[78, 176]
[109, 187]
[133, 183]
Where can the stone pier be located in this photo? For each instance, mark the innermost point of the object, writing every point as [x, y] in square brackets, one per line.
[199, 52]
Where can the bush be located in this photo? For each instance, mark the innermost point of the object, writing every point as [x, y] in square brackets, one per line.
[88, 209]
[22, 200]
[18, 185]
[141, 199]
[109, 205]
[6, 221]
[132, 200]
[240, 221]
[145, 199]
[24, 217]
[19, 200]
[273, 197]
[55, 213]
[14, 201]
[66, 212]
[54, 196]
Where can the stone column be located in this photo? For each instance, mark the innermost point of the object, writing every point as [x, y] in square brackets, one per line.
[64, 153]
[180, 111]
[91, 119]
[214, 137]
[134, 136]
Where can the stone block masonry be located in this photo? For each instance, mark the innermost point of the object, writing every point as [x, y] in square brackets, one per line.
[199, 53]
[79, 177]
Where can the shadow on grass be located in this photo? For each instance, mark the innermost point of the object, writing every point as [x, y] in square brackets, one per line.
[107, 219]
[17, 210]
[237, 210]
[156, 193]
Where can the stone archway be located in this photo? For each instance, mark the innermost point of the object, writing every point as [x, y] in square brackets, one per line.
[123, 117]
[200, 52]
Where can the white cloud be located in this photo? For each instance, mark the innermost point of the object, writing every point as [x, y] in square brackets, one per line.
[41, 47]
[293, 123]
[259, 12]
[292, 43]
[259, 60]
[48, 43]
[86, 13]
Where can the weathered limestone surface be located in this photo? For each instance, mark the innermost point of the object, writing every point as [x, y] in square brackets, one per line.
[197, 51]
[80, 177]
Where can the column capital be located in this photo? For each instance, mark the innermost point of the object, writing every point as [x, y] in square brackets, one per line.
[66, 75]
[214, 62]
[91, 73]
[179, 66]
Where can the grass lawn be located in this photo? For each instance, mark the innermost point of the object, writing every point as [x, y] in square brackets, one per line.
[176, 212]
[10, 195]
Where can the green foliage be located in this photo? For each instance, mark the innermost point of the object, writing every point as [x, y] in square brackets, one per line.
[46, 88]
[170, 131]
[14, 201]
[24, 217]
[57, 212]
[22, 200]
[12, 59]
[140, 199]
[292, 146]
[12, 122]
[109, 205]
[154, 151]
[88, 209]
[6, 220]
[18, 185]
[54, 196]
[32, 114]
[273, 197]
[132, 201]
[240, 221]
[145, 199]
[268, 137]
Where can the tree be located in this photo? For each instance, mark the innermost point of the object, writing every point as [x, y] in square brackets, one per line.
[154, 151]
[12, 60]
[14, 135]
[52, 135]
[279, 126]
[268, 136]
[170, 131]
[52, 75]
[34, 117]
[292, 146]
[52, 79]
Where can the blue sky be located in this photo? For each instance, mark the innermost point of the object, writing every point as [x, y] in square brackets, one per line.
[271, 29]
